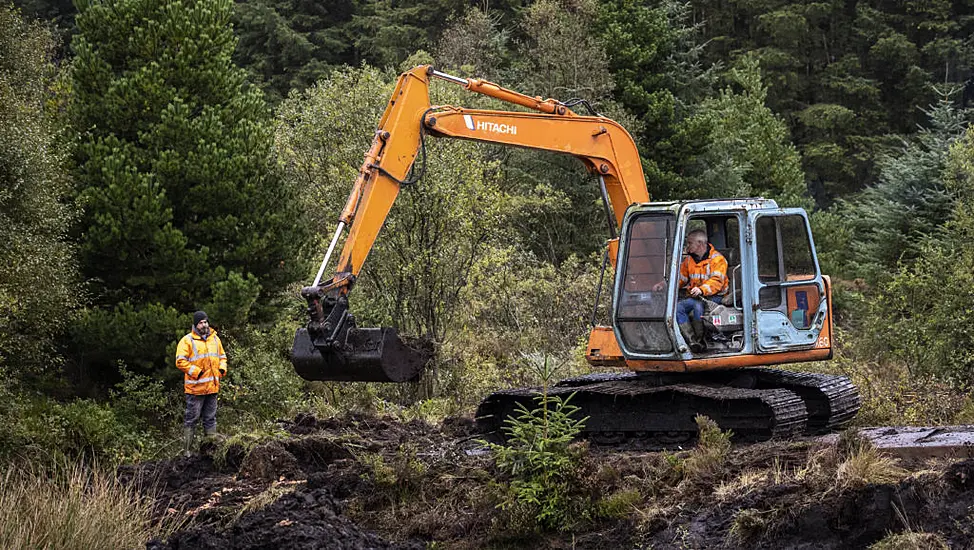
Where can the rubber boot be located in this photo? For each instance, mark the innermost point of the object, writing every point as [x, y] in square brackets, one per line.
[210, 433]
[686, 329]
[697, 325]
[188, 435]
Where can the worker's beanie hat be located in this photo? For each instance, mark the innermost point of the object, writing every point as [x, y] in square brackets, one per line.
[199, 316]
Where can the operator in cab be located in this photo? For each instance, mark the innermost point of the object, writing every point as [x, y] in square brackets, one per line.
[703, 275]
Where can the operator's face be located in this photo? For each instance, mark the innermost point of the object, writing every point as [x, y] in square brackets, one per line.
[696, 246]
[202, 326]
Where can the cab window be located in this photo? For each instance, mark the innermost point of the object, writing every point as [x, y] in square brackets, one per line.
[784, 253]
[640, 308]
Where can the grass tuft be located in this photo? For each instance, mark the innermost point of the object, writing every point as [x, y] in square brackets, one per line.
[706, 461]
[742, 485]
[618, 505]
[911, 541]
[74, 507]
[865, 465]
[748, 525]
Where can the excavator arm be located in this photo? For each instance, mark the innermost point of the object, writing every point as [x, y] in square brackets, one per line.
[332, 347]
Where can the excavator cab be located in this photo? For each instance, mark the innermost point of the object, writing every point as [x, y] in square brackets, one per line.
[775, 302]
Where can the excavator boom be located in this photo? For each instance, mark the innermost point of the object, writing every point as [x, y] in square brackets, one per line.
[331, 347]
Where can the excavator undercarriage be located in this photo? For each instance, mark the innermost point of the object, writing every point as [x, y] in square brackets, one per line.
[657, 410]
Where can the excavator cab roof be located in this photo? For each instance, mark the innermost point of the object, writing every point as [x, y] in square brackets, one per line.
[700, 205]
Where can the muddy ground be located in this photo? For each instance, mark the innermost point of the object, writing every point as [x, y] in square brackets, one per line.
[366, 482]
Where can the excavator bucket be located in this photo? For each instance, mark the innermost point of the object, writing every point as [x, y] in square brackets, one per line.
[365, 355]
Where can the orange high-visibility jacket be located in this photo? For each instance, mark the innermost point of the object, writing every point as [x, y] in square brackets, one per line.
[203, 363]
[710, 274]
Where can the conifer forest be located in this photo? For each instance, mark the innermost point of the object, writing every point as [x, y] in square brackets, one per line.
[162, 157]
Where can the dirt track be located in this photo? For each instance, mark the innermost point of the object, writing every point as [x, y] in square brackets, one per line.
[376, 483]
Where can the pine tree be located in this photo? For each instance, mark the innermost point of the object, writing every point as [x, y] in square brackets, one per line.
[921, 315]
[183, 206]
[288, 44]
[655, 62]
[892, 219]
[749, 152]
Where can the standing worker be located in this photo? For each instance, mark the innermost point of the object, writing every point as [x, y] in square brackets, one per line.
[201, 357]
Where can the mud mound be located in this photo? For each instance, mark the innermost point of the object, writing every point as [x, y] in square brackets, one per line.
[316, 452]
[460, 426]
[270, 462]
[305, 519]
[414, 481]
[936, 503]
[167, 474]
[377, 430]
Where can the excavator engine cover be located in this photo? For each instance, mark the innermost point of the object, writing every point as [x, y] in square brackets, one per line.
[365, 355]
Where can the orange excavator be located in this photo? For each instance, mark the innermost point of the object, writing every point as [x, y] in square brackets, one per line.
[776, 306]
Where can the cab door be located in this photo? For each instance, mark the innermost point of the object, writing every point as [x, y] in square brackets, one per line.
[788, 293]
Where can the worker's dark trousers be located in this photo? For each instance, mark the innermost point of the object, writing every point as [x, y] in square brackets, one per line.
[692, 308]
[197, 405]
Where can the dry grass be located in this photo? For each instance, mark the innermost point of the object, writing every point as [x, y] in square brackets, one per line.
[73, 507]
[742, 485]
[267, 497]
[865, 465]
[654, 516]
[911, 541]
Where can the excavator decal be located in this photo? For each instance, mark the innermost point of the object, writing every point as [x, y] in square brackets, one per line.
[496, 128]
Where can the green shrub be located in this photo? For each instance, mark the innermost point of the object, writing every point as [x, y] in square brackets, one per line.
[706, 461]
[401, 477]
[261, 384]
[85, 428]
[36, 428]
[145, 400]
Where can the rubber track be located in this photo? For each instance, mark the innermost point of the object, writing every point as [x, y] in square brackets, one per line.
[624, 407]
[832, 400]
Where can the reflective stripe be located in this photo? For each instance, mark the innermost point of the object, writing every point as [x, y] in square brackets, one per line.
[201, 380]
[195, 357]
